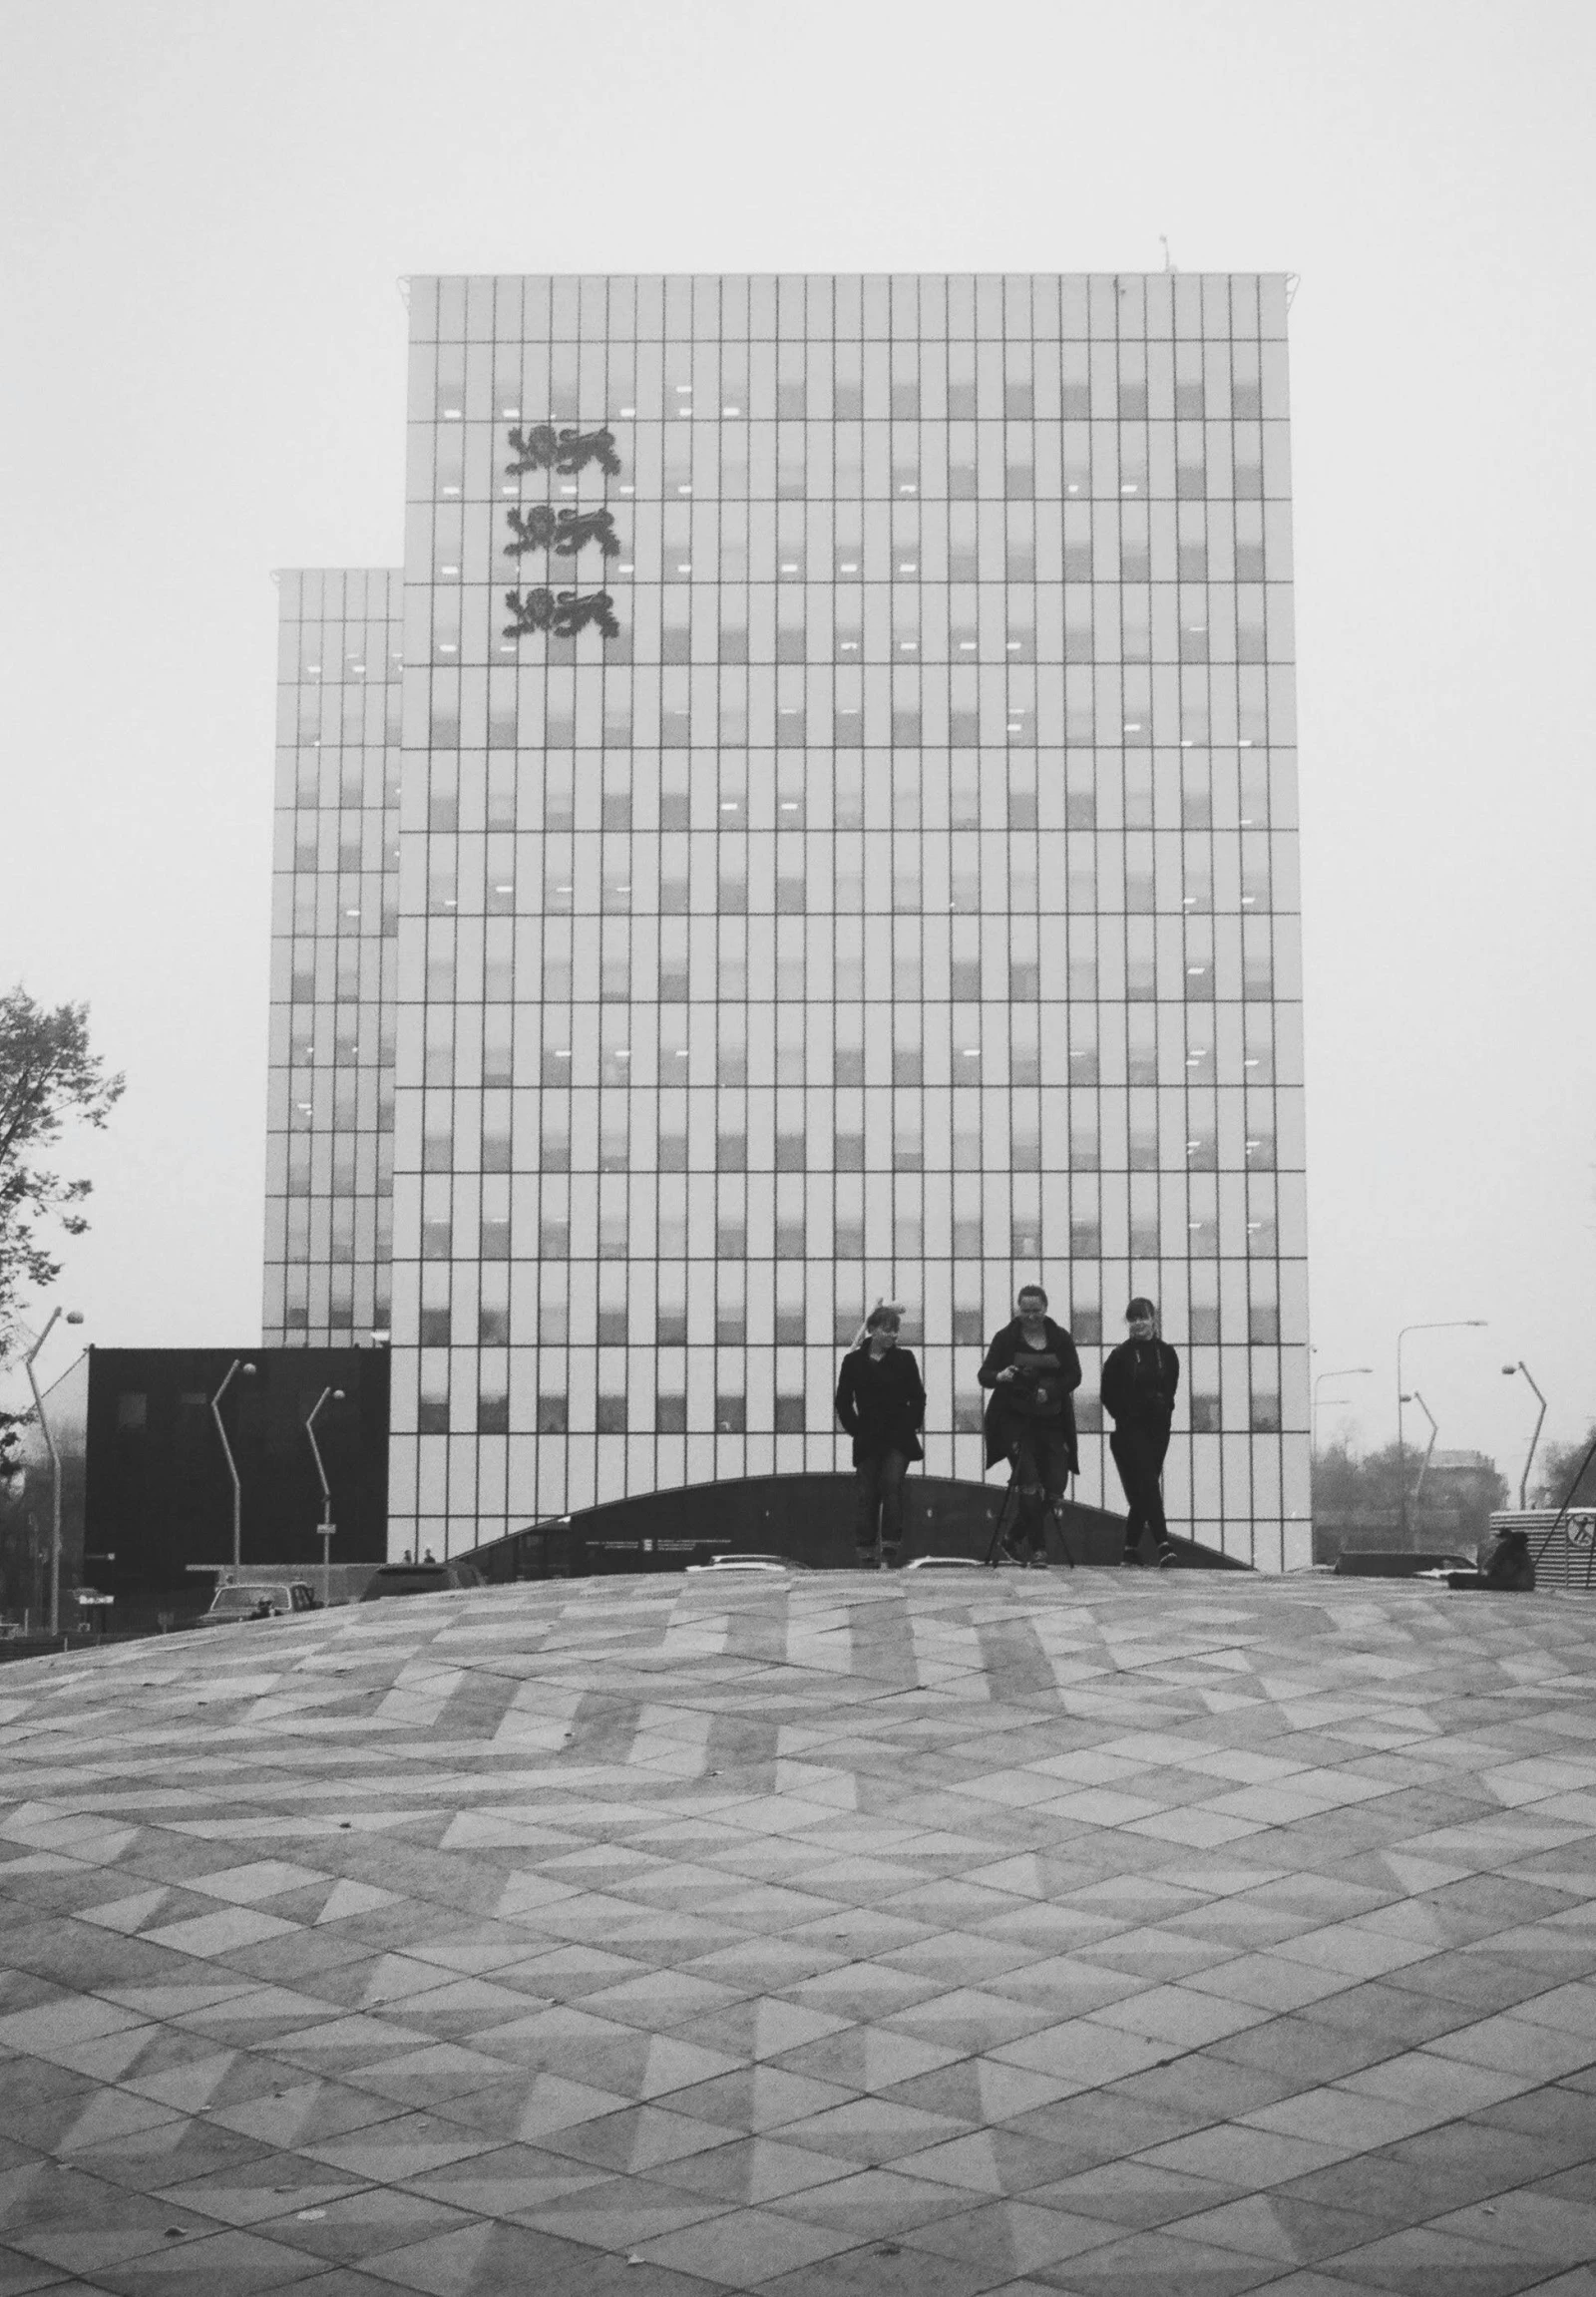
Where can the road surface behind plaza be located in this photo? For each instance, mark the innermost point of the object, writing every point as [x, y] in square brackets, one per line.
[934, 1933]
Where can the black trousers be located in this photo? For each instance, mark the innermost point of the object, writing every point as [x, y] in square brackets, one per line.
[1139, 1456]
[879, 1483]
[1042, 1475]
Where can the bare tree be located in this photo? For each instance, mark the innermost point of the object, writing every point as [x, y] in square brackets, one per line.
[1559, 1465]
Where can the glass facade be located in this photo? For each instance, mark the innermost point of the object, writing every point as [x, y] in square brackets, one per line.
[846, 846]
[334, 950]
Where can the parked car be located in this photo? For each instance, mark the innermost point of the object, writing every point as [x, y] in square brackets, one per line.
[253, 1599]
[548, 1549]
[419, 1579]
[753, 1563]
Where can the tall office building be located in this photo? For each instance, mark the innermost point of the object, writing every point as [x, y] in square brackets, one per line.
[334, 913]
[846, 846]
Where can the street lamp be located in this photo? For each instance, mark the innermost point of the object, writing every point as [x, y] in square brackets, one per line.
[73, 1317]
[1418, 1488]
[1348, 1371]
[326, 1527]
[1509, 1370]
[1451, 1324]
[248, 1371]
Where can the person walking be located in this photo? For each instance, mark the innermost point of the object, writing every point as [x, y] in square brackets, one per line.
[1032, 1372]
[881, 1402]
[1140, 1379]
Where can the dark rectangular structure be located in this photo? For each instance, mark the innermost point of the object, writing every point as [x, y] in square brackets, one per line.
[146, 1491]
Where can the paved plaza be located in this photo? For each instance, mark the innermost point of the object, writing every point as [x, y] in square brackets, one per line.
[936, 1933]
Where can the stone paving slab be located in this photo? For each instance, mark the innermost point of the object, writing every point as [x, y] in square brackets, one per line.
[1107, 1933]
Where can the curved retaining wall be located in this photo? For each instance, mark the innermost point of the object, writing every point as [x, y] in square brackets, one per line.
[806, 1518]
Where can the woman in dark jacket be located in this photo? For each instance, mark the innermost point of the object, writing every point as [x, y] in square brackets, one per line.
[1140, 1381]
[881, 1402]
[1032, 1372]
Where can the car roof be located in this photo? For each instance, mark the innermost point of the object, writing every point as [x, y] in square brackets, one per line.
[727, 1563]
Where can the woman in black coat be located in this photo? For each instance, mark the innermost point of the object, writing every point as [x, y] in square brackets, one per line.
[1140, 1381]
[881, 1402]
[1032, 1372]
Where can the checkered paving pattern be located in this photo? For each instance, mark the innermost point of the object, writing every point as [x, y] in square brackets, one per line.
[827, 1937]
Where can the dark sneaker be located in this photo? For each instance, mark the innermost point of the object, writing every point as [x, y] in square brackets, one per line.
[1131, 1559]
[1166, 1558]
[1010, 1551]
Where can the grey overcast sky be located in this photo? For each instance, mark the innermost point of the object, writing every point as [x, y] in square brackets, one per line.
[207, 207]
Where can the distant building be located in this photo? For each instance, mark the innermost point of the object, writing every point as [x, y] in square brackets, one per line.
[814, 816]
[1449, 1466]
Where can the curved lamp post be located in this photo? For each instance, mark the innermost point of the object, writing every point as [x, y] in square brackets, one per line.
[326, 1527]
[248, 1370]
[1418, 1488]
[1449, 1323]
[1509, 1370]
[73, 1317]
[1346, 1371]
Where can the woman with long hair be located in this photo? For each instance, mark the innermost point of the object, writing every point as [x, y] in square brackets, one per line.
[881, 1402]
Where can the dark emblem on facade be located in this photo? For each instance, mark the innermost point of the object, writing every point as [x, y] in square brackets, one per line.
[561, 613]
[543, 448]
[564, 531]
